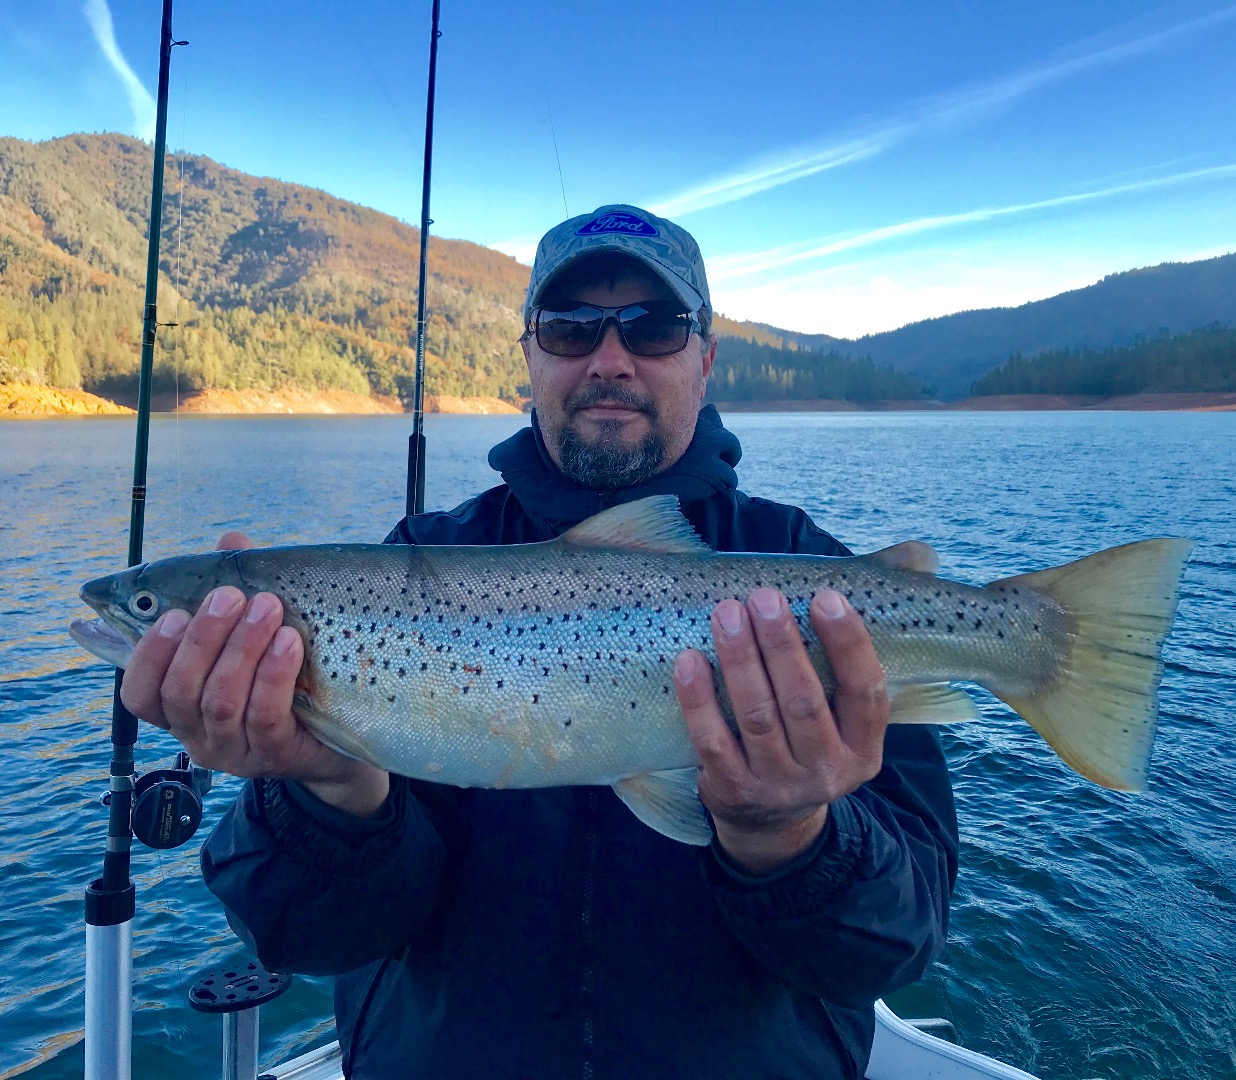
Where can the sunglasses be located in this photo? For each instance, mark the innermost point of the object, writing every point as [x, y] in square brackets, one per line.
[650, 328]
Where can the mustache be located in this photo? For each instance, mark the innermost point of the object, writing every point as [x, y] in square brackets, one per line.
[611, 395]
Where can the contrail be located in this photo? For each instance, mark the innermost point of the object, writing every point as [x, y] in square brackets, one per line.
[762, 174]
[742, 265]
[99, 16]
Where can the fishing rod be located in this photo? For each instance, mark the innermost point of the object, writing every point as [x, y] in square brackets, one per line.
[416, 442]
[111, 899]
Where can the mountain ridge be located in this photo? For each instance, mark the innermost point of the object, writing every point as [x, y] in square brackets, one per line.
[280, 283]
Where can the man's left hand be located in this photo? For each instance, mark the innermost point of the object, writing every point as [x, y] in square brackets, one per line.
[769, 788]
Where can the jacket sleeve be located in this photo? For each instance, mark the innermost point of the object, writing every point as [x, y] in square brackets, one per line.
[865, 910]
[315, 891]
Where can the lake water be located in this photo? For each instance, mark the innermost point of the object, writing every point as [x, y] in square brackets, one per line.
[1093, 934]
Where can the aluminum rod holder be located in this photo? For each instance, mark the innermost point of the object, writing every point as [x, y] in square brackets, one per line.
[109, 1001]
[240, 1045]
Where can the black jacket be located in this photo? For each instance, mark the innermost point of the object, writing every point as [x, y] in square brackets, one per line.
[548, 933]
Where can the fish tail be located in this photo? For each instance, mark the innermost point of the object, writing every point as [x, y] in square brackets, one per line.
[1100, 710]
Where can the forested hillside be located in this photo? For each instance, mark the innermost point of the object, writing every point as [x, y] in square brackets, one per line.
[1202, 361]
[272, 284]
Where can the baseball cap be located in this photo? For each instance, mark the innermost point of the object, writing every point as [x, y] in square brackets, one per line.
[668, 250]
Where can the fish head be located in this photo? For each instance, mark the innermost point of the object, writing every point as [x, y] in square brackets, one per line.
[130, 602]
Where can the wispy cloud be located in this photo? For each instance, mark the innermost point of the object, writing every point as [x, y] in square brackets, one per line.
[99, 16]
[958, 107]
[760, 175]
[727, 267]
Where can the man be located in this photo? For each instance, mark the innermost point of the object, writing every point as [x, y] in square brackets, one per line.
[546, 933]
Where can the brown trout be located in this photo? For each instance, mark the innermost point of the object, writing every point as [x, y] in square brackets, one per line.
[537, 665]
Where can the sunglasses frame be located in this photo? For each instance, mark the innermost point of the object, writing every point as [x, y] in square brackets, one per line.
[608, 315]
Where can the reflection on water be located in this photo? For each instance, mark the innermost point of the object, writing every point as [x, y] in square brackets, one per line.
[1093, 934]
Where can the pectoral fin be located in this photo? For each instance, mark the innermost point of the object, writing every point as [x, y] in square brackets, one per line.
[668, 802]
[329, 731]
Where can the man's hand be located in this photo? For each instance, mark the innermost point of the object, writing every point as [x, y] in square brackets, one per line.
[769, 788]
[222, 680]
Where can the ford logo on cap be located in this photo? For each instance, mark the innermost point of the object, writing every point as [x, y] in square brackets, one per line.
[617, 221]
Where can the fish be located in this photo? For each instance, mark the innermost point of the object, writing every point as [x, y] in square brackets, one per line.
[546, 664]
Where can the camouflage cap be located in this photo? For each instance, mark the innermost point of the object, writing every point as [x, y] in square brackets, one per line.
[665, 248]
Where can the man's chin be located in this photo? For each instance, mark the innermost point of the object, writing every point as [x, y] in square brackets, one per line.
[612, 457]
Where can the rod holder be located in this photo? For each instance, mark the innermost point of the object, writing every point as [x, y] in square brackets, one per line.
[237, 992]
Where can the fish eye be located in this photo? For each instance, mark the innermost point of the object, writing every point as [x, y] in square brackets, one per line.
[143, 603]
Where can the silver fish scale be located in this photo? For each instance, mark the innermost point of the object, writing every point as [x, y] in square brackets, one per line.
[552, 664]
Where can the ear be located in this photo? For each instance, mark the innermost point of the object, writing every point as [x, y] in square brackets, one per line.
[709, 358]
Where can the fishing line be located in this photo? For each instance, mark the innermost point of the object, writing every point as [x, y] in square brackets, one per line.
[554, 137]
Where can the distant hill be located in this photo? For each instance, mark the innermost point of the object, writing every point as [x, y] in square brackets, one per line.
[278, 283]
[951, 352]
[777, 337]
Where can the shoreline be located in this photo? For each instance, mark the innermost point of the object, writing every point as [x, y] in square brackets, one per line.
[25, 401]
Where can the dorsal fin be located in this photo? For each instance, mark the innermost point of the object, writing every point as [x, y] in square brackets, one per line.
[654, 524]
[908, 555]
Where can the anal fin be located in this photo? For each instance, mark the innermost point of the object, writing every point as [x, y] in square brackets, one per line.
[931, 703]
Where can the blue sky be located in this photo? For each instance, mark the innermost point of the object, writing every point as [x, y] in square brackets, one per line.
[847, 168]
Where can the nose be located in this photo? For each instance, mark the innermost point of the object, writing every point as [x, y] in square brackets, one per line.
[610, 359]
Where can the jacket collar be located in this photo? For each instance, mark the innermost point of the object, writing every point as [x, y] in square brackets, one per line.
[706, 469]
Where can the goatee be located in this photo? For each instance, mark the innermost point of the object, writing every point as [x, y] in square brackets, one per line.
[609, 463]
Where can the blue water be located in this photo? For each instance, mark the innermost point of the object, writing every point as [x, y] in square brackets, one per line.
[1093, 934]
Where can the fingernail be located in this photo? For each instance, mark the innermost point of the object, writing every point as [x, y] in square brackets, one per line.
[729, 616]
[285, 638]
[173, 623]
[222, 601]
[260, 607]
[767, 603]
[832, 606]
[686, 668]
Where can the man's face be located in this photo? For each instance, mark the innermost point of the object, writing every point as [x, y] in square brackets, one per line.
[611, 418]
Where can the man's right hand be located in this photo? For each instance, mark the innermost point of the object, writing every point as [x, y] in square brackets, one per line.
[222, 680]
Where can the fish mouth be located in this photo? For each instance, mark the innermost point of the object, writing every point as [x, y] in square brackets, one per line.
[102, 639]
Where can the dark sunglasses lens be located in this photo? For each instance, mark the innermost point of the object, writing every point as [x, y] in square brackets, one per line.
[568, 333]
[655, 332]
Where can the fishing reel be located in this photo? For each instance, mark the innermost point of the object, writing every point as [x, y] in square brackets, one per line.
[167, 803]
